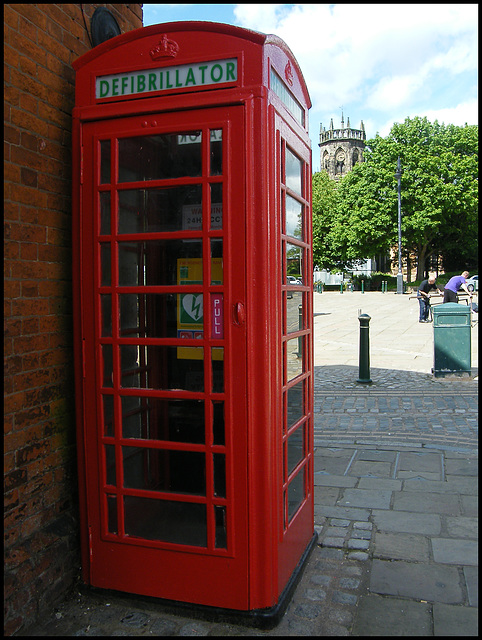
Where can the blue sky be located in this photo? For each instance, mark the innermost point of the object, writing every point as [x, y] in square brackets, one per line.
[380, 63]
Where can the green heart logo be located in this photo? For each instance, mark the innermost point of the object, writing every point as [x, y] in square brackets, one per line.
[192, 305]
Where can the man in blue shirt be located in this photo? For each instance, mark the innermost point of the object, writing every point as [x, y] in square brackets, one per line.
[453, 285]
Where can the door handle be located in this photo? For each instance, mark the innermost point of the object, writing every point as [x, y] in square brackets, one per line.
[239, 313]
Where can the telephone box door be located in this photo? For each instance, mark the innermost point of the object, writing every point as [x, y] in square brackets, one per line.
[163, 328]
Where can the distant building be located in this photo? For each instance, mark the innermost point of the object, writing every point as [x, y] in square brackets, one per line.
[341, 149]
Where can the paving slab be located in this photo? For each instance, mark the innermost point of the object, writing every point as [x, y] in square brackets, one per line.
[372, 498]
[432, 583]
[450, 620]
[332, 462]
[420, 461]
[401, 546]
[447, 504]
[455, 551]
[342, 512]
[377, 455]
[378, 616]
[327, 480]
[370, 469]
[471, 576]
[470, 505]
[462, 527]
[405, 522]
[327, 495]
[380, 484]
[452, 484]
[462, 467]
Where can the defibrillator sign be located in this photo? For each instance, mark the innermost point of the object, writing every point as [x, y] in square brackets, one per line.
[183, 76]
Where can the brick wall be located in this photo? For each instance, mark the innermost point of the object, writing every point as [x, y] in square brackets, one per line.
[42, 555]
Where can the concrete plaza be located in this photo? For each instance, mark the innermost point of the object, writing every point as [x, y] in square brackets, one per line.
[398, 341]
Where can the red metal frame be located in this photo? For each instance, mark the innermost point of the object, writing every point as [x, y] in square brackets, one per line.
[263, 549]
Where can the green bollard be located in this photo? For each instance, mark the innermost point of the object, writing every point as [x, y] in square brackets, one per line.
[363, 286]
[341, 287]
[364, 356]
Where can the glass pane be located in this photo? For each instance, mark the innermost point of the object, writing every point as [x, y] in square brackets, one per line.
[217, 354]
[161, 367]
[294, 311]
[104, 161]
[164, 470]
[105, 266]
[285, 95]
[217, 206]
[216, 152]
[170, 155]
[294, 358]
[294, 172]
[156, 210]
[218, 423]
[110, 476]
[112, 514]
[221, 533]
[105, 213]
[160, 262]
[295, 449]
[219, 466]
[106, 314]
[294, 218]
[294, 262]
[108, 408]
[217, 275]
[296, 493]
[295, 404]
[163, 419]
[108, 371]
[148, 315]
[169, 521]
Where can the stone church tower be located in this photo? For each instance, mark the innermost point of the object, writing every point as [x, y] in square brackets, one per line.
[341, 149]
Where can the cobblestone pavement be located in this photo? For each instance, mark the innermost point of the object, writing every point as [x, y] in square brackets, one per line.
[417, 410]
[396, 506]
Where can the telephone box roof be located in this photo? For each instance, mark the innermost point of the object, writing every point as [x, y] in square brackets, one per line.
[254, 37]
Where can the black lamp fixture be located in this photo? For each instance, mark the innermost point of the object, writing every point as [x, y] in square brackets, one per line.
[103, 26]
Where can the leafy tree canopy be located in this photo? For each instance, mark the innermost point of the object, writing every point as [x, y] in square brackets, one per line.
[358, 217]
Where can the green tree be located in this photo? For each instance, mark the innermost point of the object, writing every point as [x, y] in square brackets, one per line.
[326, 255]
[438, 192]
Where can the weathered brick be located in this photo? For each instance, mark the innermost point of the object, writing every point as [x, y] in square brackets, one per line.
[15, 478]
[40, 43]
[32, 452]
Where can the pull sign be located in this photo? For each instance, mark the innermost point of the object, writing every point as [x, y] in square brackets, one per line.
[182, 76]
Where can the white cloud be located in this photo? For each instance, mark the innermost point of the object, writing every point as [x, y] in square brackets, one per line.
[465, 112]
[378, 56]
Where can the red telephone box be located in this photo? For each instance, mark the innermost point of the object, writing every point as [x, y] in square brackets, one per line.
[193, 315]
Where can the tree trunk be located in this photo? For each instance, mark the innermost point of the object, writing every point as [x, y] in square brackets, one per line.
[421, 257]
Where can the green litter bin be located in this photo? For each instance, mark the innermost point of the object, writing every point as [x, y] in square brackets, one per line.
[451, 340]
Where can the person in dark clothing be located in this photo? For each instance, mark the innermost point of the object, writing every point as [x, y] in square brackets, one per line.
[423, 295]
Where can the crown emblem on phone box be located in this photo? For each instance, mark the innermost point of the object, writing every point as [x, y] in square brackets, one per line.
[165, 49]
